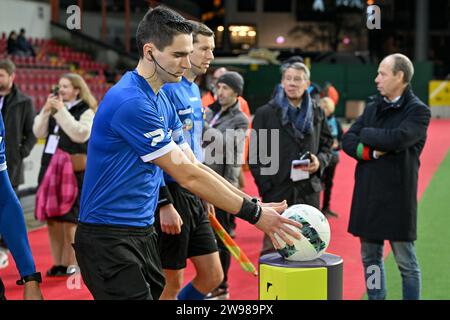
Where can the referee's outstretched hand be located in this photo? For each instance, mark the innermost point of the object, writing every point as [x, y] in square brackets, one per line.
[170, 220]
[277, 206]
[271, 222]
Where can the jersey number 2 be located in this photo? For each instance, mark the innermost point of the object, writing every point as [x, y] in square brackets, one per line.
[158, 136]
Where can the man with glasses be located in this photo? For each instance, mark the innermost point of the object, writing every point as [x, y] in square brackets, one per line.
[302, 131]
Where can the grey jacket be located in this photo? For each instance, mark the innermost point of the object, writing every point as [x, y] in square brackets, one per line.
[224, 140]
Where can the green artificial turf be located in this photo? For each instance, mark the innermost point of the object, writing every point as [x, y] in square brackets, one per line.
[433, 244]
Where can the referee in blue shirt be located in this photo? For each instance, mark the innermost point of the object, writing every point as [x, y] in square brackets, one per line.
[136, 133]
[196, 240]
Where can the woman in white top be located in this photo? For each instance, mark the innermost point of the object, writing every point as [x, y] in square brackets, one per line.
[66, 121]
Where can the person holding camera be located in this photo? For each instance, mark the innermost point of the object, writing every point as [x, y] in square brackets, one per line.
[65, 121]
[293, 130]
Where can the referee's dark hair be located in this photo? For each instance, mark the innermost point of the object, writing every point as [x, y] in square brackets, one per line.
[159, 26]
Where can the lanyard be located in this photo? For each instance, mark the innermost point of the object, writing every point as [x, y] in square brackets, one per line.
[216, 117]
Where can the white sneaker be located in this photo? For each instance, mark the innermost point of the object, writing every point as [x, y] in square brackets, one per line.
[72, 269]
[218, 294]
[4, 261]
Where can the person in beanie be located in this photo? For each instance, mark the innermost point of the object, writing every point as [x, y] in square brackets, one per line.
[225, 122]
[233, 80]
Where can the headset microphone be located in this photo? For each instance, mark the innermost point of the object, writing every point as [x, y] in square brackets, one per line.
[199, 67]
[172, 74]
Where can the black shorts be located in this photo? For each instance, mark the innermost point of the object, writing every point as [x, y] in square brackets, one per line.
[119, 262]
[196, 237]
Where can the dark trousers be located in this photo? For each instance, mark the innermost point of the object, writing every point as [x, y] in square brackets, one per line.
[119, 263]
[225, 255]
[328, 176]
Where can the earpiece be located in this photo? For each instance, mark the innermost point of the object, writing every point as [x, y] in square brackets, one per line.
[162, 68]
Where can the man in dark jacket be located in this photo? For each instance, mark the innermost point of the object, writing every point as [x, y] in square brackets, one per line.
[18, 114]
[387, 141]
[287, 127]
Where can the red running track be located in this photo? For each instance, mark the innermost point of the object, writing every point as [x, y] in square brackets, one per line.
[243, 285]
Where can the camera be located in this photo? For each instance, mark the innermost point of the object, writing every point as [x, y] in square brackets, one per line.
[55, 90]
[306, 156]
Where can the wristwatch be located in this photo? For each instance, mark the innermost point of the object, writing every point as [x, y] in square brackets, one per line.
[32, 277]
[255, 200]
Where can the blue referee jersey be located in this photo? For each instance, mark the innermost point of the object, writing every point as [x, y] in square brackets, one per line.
[132, 127]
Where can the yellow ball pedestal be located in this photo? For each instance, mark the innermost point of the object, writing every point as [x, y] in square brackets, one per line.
[319, 279]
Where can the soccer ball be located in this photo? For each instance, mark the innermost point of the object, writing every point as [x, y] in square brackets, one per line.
[315, 234]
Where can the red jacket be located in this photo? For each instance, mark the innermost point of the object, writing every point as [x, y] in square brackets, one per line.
[58, 190]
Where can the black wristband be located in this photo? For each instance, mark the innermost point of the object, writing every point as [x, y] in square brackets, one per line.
[250, 211]
[32, 277]
[165, 197]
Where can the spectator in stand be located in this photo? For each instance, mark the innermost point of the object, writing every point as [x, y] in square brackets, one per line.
[23, 46]
[12, 43]
[65, 121]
